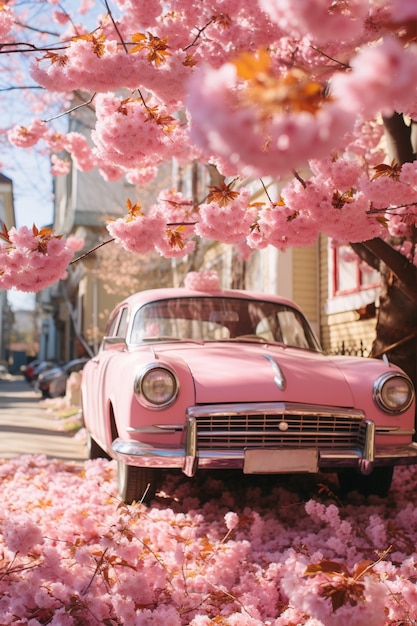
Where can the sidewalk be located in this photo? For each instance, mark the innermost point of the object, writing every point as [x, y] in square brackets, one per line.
[27, 428]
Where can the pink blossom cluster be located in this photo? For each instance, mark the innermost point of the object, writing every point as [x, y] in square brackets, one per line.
[202, 281]
[228, 222]
[222, 126]
[312, 18]
[339, 199]
[214, 549]
[7, 19]
[192, 67]
[383, 78]
[31, 261]
[146, 233]
[138, 233]
[258, 88]
[80, 67]
[128, 133]
[27, 136]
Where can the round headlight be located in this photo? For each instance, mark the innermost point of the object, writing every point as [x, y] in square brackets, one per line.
[158, 386]
[393, 393]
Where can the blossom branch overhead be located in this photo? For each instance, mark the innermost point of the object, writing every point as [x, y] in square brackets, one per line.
[285, 95]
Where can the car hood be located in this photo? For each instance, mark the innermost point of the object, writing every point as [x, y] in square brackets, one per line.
[231, 372]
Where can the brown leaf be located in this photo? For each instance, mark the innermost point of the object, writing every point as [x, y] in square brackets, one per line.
[293, 92]
[122, 108]
[133, 210]
[222, 195]
[42, 238]
[249, 65]
[98, 42]
[54, 57]
[362, 568]
[340, 199]
[391, 171]
[175, 237]
[166, 121]
[157, 49]
[189, 60]
[293, 216]
[223, 20]
[343, 593]
[325, 566]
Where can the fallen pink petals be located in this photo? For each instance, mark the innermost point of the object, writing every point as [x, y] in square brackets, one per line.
[214, 550]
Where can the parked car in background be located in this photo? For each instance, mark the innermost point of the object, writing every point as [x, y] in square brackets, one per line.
[230, 379]
[41, 368]
[29, 369]
[52, 383]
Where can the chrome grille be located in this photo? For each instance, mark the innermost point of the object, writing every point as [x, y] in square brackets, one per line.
[280, 426]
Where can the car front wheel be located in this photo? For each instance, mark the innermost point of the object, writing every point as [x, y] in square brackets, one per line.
[377, 483]
[136, 484]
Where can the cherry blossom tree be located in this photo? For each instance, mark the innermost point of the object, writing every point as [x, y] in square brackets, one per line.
[265, 89]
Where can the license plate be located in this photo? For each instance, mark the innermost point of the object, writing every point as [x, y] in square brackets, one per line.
[280, 461]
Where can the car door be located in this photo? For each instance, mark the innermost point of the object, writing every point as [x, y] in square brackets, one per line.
[97, 385]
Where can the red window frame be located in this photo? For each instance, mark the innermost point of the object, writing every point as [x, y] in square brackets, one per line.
[358, 274]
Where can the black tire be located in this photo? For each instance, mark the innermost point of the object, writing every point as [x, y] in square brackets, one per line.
[377, 483]
[94, 451]
[136, 484]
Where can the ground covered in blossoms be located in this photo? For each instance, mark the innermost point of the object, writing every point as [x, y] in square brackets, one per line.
[218, 549]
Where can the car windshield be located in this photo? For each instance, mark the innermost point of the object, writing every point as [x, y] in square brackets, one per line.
[222, 319]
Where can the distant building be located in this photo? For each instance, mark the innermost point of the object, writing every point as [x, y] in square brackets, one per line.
[7, 218]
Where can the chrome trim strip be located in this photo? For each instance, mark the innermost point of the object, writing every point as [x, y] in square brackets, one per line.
[279, 378]
[191, 450]
[144, 455]
[271, 408]
[157, 429]
[369, 443]
[394, 430]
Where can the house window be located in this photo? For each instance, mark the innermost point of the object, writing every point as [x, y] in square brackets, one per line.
[350, 273]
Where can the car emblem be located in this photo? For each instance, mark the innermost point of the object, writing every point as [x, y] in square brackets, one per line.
[279, 378]
[283, 426]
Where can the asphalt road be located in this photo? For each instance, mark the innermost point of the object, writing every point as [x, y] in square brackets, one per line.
[27, 428]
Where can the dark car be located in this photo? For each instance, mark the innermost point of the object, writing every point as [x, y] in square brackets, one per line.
[30, 368]
[53, 383]
[41, 368]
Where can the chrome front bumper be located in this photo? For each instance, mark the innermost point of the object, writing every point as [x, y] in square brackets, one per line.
[189, 457]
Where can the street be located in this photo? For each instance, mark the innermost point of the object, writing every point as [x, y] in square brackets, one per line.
[26, 428]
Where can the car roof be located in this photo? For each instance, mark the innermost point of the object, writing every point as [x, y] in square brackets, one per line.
[150, 295]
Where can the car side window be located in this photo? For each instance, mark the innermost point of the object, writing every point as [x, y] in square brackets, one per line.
[111, 329]
[118, 324]
[122, 325]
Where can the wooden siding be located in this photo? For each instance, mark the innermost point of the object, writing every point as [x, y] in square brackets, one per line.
[341, 329]
[305, 282]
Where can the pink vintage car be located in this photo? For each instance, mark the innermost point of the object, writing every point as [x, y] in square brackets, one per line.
[233, 379]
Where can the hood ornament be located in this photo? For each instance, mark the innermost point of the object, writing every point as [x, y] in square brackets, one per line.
[279, 378]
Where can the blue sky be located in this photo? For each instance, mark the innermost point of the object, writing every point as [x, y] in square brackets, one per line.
[28, 169]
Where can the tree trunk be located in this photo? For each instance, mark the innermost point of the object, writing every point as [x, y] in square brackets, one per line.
[396, 328]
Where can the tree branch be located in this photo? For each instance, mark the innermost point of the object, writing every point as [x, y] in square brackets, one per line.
[366, 255]
[398, 135]
[405, 271]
